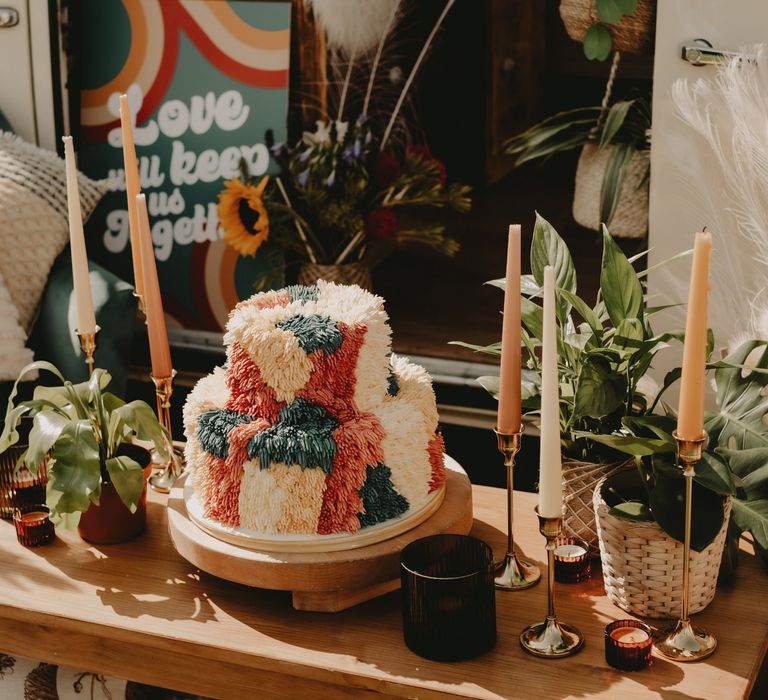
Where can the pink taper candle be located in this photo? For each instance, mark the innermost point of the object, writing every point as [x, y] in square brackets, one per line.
[159, 352]
[86, 320]
[132, 188]
[690, 416]
[509, 419]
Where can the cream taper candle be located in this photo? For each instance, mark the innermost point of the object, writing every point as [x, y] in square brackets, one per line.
[690, 416]
[86, 319]
[550, 465]
[510, 411]
[132, 188]
[159, 351]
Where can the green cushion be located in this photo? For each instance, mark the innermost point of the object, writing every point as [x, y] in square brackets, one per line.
[115, 307]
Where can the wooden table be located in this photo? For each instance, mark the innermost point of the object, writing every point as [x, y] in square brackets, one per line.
[140, 611]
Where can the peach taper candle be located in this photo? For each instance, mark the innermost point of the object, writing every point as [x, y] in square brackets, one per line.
[132, 188]
[550, 465]
[690, 417]
[86, 319]
[509, 419]
[157, 332]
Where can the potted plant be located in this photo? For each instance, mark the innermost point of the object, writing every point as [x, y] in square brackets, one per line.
[612, 173]
[610, 25]
[96, 476]
[646, 503]
[605, 350]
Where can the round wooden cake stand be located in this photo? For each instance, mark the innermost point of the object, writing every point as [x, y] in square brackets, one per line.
[319, 581]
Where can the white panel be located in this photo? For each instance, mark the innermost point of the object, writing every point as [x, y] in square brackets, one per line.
[16, 96]
[686, 189]
[42, 84]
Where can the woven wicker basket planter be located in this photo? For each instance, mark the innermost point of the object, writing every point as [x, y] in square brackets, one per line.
[643, 566]
[352, 273]
[579, 481]
[634, 34]
[630, 220]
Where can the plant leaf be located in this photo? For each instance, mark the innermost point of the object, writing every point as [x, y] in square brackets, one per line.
[492, 349]
[141, 419]
[629, 444]
[613, 179]
[632, 510]
[613, 121]
[597, 43]
[548, 248]
[713, 472]
[753, 516]
[622, 293]
[599, 390]
[532, 315]
[47, 426]
[127, 477]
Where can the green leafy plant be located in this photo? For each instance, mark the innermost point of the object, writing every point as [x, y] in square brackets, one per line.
[598, 42]
[623, 129]
[605, 351]
[81, 427]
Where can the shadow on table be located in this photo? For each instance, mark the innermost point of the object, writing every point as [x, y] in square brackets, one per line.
[371, 634]
[147, 582]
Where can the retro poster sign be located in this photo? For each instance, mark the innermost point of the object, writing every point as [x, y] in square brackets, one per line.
[206, 79]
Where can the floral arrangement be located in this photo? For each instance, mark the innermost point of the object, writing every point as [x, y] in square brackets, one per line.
[350, 191]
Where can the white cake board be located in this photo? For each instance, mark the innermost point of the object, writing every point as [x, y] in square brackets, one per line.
[325, 581]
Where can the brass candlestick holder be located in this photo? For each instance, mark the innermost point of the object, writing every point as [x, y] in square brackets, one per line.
[88, 346]
[685, 641]
[140, 303]
[512, 574]
[172, 469]
[551, 639]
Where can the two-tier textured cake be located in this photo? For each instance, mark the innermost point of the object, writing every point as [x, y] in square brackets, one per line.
[313, 426]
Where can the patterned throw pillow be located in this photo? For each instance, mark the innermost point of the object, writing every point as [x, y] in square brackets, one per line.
[33, 218]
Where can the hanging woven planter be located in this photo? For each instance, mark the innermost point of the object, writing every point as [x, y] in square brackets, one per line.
[351, 273]
[630, 219]
[634, 34]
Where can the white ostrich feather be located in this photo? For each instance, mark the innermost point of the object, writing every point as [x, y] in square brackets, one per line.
[354, 27]
[730, 112]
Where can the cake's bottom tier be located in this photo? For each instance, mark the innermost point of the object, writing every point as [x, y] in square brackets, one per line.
[268, 542]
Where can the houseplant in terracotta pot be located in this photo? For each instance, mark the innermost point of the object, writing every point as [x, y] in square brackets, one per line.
[96, 476]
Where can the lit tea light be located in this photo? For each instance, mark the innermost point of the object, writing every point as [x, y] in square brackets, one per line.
[572, 563]
[33, 525]
[628, 645]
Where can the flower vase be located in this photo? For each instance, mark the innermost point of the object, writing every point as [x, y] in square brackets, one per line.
[351, 273]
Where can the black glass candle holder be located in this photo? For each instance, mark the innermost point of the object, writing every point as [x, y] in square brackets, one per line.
[572, 561]
[33, 525]
[449, 603]
[628, 645]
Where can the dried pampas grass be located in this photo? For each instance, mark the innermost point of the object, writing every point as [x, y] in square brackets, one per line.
[354, 27]
[729, 113]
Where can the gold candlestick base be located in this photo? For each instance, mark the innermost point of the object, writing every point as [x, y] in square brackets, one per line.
[684, 641]
[551, 639]
[173, 467]
[88, 346]
[512, 573]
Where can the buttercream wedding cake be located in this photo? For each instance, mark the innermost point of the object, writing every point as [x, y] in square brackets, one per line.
[313, 426]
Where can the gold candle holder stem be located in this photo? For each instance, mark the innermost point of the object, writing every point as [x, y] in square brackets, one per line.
[551, 639]
[140, 303]
[512, 573]
[88, 346]
[172, 469]
[684, 641]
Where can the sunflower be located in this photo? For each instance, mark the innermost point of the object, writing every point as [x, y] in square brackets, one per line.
[243, 215]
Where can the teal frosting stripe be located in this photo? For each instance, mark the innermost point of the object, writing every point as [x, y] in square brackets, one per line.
[314, 332]
[303, 435]
[299, 292]
[213, 430]
[380, 499]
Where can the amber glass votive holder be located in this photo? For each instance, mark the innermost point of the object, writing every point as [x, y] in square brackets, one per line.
[628, 645]
[449, 598]
[19, 487]
[33, 525]
[572, 560]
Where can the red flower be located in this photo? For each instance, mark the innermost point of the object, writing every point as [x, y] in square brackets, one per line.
[381, 224]
[424, 154]
[386, 170]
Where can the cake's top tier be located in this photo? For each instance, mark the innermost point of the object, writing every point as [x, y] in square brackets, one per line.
[327, 344]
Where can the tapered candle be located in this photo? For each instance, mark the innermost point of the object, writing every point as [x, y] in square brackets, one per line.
[86, 320]
[159, 352]
[550, 466]
[132, 188]
[509, 380]
[690, 417]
